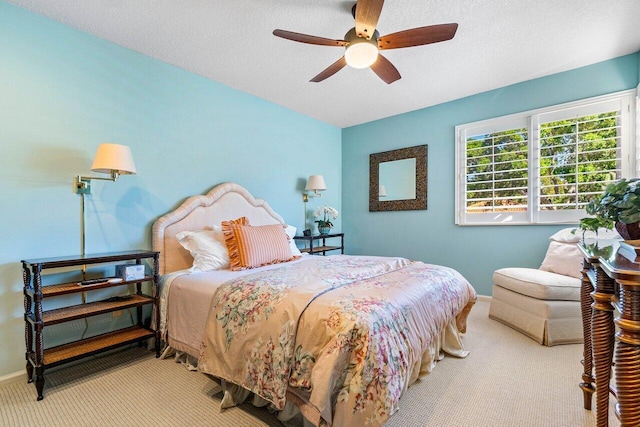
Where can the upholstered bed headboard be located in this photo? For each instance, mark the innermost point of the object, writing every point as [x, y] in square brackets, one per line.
[224, 202]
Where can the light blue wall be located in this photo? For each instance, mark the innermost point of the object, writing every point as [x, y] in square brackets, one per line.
[431, 235]
[63, 92]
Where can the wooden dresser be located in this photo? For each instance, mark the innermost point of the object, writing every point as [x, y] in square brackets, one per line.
[610, 301]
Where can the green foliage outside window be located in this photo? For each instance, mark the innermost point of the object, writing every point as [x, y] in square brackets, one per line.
[578, 158]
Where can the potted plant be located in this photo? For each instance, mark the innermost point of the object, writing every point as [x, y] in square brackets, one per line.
[325, 224]
[619, 206]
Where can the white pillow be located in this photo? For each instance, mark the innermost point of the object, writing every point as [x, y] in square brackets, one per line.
[563, 258]
[574, 235]
[291, 231]
[567, 235]
[207, 248]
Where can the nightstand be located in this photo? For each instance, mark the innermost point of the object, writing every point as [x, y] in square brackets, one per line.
[318, 243]
[37, 319]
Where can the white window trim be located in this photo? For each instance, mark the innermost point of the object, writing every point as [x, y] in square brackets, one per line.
[629, 141]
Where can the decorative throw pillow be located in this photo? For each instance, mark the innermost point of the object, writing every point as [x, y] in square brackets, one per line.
[251, 247]
[574, 235]
[206, 247]
[563, 258]
[567, 235]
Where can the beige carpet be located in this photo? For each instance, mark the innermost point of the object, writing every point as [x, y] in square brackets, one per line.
[507, 380]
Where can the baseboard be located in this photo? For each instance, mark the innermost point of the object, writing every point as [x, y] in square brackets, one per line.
[10, 378]
[484, 298]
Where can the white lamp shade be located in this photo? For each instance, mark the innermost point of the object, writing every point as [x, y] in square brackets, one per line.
[114, 157]
[315, 183]
[382, 191]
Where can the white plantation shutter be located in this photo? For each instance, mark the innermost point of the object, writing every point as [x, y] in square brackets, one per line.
[588, 159]
[496, 171]
[543, 166]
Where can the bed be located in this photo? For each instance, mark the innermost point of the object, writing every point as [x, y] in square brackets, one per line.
[330, 340]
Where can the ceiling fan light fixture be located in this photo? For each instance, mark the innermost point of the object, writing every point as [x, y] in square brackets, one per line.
[361, 55]
[363, 41]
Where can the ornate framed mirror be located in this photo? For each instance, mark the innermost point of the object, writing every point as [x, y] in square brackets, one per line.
[398, 180]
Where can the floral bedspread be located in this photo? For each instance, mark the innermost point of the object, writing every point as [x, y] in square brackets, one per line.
[345, 332]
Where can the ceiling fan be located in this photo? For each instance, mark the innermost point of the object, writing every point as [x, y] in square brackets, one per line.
[363, 42]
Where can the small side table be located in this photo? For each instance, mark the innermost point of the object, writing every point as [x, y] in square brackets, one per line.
[40, 357]
[321, 240]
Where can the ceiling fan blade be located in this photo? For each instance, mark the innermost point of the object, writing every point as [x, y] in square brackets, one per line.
[367, 15]
[305, 38]
[330, 70]
[385, 70]
[418, 36]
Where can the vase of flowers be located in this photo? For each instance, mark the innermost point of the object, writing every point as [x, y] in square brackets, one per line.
[326, 213]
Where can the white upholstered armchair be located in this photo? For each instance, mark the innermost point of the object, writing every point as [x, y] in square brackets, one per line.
[544, 303]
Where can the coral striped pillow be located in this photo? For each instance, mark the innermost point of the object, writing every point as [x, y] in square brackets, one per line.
[255, 246]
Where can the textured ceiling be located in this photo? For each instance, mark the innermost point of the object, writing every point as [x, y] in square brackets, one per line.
[498, 43]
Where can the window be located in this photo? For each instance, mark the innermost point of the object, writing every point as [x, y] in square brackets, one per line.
[543, 166]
